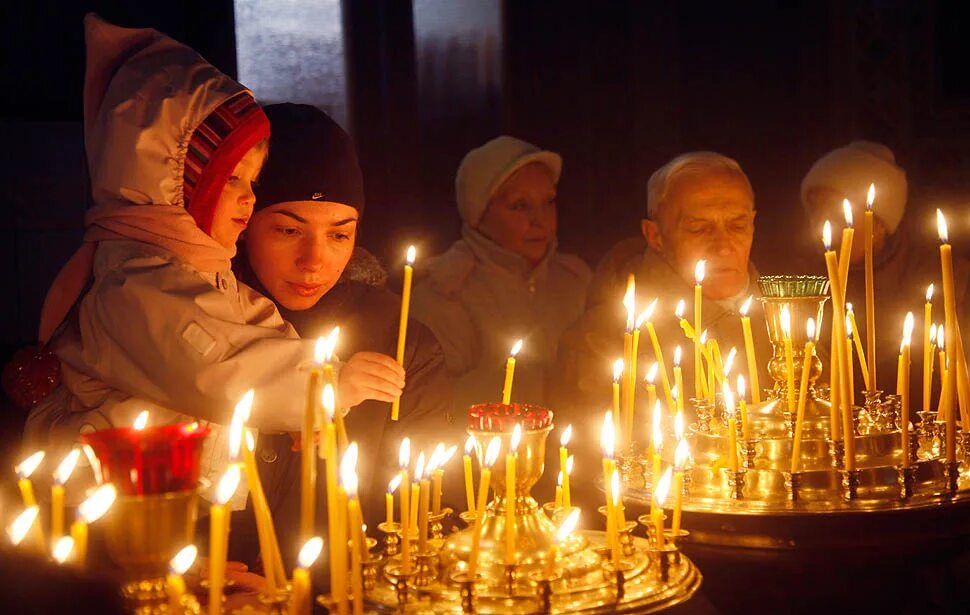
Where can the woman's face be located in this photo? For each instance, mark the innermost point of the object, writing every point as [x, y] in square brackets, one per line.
[235, 204]
[521, 215]
[299, 249]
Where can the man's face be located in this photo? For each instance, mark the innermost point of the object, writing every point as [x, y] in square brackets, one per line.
[235, 204]
[521, 215]
[710, 217]
[298, 250]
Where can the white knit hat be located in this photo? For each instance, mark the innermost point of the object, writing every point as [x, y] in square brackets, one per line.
[849, 170]
[485, 169]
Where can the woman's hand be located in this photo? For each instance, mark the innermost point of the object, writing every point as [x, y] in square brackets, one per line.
[369, 375]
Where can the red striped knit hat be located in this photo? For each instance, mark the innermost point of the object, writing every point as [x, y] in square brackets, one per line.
[216, 147]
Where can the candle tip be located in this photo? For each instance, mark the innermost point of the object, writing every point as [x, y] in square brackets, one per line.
[62, 549]
[941, 229]
[18, 529]
[652, 372]
[847, 212]
[411, 254]
[98, 503]
[491, 453]
[66, 467]
[827, 235]
[310, 552]
[183, 560]
[870, 197]
[516, 348]
[746, 305]
[141, 421]
[663, 486]
[699, 271]
[929, 293]
[566, 435]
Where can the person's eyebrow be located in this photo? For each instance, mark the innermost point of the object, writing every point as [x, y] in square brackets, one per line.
[344, 221]
[284, 212]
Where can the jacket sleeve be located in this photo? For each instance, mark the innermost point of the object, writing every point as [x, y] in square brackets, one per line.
[156, 329]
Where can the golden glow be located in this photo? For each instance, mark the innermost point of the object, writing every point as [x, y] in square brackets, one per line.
[629, 301]
[657, 432]
[310, 552]
[785, 321]
[183, 560]
[98, 503]
[394, 483]
[516, 348]
[699, 271]
[66, 467]
[746, 305]
[469, 445]
[847, 212]
[412, 253]
[491, 453]
[608, 435]
[227, 485]
[21, 525]
[870, 196]
[679, 425]
[827, 235]
[565, 436]
[141, 421]
[404, 454]
[516, 438]
[682, 454]
[663, 487]
[62, 549]
[652, 372]
[617, 370]
[941, 227]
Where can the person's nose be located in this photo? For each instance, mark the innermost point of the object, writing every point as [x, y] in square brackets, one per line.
[311, 255]
[721, 243]
[247, 201]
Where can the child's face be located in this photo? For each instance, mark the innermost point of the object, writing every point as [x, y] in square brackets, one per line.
[235, 204]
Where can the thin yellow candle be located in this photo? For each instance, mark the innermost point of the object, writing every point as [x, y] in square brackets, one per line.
[564, 438]
[567, 492]
[415, 511]
[698, 298]
[308, 434]
[424, 505]
[870, 290]
[437, 478]
[789, 363]
[657, 502]
[510, 372]
[743, 408]
[89, 511]
[63, 549]
[608, 443]
[61, 474]
[950, 324]
[732, 427]
[491, 455]
[850, 371]
[657, 440]
[650, 379]
[330, 446]
[392, 486]
[902, 384]
[339, 594]
[681, 455]
[469, 480]
[511, 460]
[355, 520]
[617, 376]
[629, 303]
[402, 331]
[562, 535]
[678, 380]
[174, 583]
[612, 525]
[944, 377]
[619, 510]
[434, 474]
[22, 524]
[749, 351]
[658, 354]
[301, 600]
[927, 347]
[709, 390]
[404, 460]
[838, 322]
[796, 455]
[857, 340]
[219, 537]
[24, 470]
[558, 500]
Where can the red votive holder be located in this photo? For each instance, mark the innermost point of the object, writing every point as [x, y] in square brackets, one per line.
[152, 460]
[504, 417]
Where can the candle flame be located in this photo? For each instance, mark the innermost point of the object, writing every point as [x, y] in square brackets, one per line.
[141, 421]
[646, 314]
[678, 355]
[827, 236]
[675, 392]
[847, 212]
[310, 552]
[652, 372]
[448, 454]
[515, 348]
[404, 454]
[848, 326]
[663, 487]
[469, 445]
[728, 399]
[94, 461]
[608, 435]
[436, 459]
[320, 350]
[682, 454]
[742, 387]
[250, 441]
[679, 425]
[491, 453]
[568, 525]
[412, 253]
[703, 338]
[244, 407]
[615, 488]
[657, 431]
[569, 465]
[98, 503]
[908, 325]
[810, 329]
[785, 321]
[62, 549]
[66, 467]
[348, 469]
[331, 344]
[559, 479]
[394, 483]
[729, 361]
[681, 308]
[329, 399]
[419, 467]
[940, 338]
[746, 305]
[516, 438]
[566, 435]
[933, 333]
[699, 271]
[848, 307]
[870, 196]
[941, 227]
[617, 370]
[21, 525]
[183, 560]
[929, 293]
[235, 438]
[629, 301]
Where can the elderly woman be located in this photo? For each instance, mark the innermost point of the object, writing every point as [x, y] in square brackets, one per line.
[504, 280]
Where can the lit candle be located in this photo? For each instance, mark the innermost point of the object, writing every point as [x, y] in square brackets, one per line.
[732, 427]
[61, 474]
[265, 530]
[853, 328]
[562, 535]
[612, 527]
[927, 348]
[558, 500]
[337, 551]
[743, 409]
[404, 459]
[22, 524]
[392, 486]
[838, 323]
[424, 505]
[902, 384]
[678, 379]
[415, 512]
[24, 470]
[657, 440]
[63, 549]
[698, 297]
[469, 480]
[659, 497]
[708, 384]
[870, 291]
[337, 418]
[219, 537]
[567, 433]
[355, 520]
[681, 455]
[650, 379]
[301, 600]
[629, 303]
[491, 455]
[944, 377]
[607, 442]
[803, 395]
[619, 516]
[511, 459]
[617, 376]
[789, 362]
[402, 331]
[437, 477]
[174, 583]
[510, 372]
[658, 353]
[308, 457]
[850, 370]
[749, 351]
[950, 324]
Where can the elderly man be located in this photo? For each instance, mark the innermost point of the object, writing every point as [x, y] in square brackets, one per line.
[700, 206]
